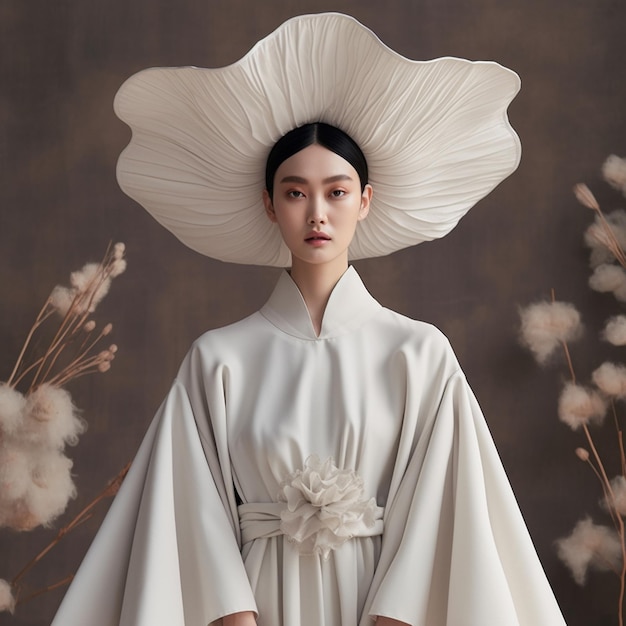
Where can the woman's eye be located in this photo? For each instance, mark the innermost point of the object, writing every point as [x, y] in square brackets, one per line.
[337, 193]
[295, 194]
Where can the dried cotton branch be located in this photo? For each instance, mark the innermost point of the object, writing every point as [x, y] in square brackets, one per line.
[36, 424]
[602, 231]
[109, 491]
[591, 545]
[585, 197]
[88, 286]
[38, 418]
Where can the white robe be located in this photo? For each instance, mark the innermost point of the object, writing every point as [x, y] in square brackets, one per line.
[378, 393]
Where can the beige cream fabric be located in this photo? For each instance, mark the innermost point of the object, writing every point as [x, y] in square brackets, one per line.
[378, 393]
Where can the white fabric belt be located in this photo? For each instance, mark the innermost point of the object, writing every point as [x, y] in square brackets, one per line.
[262, 520]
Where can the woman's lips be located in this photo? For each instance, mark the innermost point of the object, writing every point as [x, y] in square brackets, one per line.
[317, 238]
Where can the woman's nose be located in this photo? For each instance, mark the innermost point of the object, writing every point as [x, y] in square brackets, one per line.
[317, 214]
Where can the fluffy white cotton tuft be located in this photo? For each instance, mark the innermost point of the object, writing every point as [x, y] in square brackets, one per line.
[595, 237]
[618, 487]
[14, 473]
[50, 418]
[614, 172]
[579, 406]
[11, 406]
[90, 282]
[7, 601]
[590, 545]
[611, 379]
[615, 330]
[545, 325]
[61, 299]
[118, 266]
[52, 487]
[609, 278]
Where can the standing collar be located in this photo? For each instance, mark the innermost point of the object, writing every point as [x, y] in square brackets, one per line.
[349, 305]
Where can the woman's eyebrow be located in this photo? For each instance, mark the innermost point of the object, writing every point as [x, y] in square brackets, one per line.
[330, 179]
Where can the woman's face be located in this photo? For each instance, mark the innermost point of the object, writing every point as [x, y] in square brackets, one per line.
[317, 203]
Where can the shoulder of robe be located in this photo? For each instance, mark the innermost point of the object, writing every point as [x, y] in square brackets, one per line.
[419, 334]
[216, 345]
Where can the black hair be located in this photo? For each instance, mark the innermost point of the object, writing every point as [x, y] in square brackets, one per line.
[319, 133]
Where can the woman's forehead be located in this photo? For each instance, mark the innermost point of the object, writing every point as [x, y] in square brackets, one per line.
[315, 161]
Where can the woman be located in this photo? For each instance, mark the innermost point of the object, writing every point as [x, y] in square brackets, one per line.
[322, 462]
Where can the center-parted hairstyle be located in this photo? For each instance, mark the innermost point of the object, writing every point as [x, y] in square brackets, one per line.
[316, 133]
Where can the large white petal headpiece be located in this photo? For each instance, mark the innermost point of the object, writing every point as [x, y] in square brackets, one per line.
[435, 135]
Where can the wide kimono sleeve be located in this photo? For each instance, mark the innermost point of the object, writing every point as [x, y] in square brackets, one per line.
[455, 550]
[168, 551]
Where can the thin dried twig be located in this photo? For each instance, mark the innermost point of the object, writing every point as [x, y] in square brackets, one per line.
[109, 491]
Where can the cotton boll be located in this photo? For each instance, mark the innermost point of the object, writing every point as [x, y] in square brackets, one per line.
[595, 237]
[51, 488]
[14, 473]
[50, 418]
[7, 601]
[617, 222]
[118, 250]
[607, 278]
[618, 486]
[98, 293]
[590, 545]
[614, 171]
[83, 279]
[599, 253]
[611, 379]
[118, 267]
[11, 406]
[89, 282]
[578, 406]
[62, 298]
[615, 330]
[545, 325]
[18, 517]
[620, 293]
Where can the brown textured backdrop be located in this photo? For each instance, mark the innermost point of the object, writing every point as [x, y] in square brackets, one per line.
[60, 65]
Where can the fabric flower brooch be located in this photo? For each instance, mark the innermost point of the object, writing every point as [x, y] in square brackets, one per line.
[325, 507]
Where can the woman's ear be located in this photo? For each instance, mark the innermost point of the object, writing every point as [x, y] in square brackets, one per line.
[366, 199]
[269, 207]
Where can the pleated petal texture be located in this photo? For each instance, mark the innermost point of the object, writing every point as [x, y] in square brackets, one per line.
[435, 135]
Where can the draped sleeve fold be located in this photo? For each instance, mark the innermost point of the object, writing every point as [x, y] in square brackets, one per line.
[168, 551]
[455, 548]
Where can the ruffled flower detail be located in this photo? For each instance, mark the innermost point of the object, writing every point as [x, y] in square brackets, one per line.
[325, 507]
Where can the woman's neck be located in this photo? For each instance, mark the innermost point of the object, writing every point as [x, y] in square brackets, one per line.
[316, 283]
